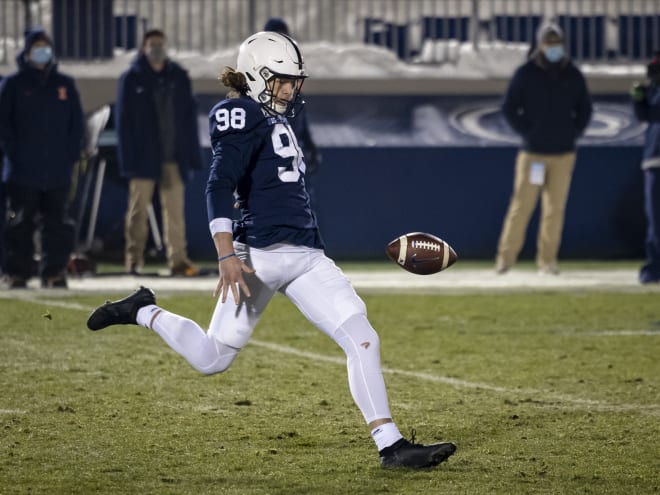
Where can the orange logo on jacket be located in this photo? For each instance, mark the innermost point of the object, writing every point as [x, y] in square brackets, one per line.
[61, 93]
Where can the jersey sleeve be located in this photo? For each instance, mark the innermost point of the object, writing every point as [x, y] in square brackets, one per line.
[234, 126]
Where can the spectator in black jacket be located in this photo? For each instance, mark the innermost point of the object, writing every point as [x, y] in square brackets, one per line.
[549, 105]
[158, 145]
[646, 101]
[41, 133]
[3, 207]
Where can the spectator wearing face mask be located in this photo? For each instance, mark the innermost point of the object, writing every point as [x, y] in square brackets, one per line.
[548, 104]
[646, 102]
[158, 147]
[41, 134]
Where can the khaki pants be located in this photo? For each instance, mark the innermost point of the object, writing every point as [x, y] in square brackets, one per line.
[140, 195]
[554, 192]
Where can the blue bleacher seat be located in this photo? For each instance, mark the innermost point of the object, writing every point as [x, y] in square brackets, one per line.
[585, 35]
[521, 29]
[389, 35]
[636, 36]
[442, 28]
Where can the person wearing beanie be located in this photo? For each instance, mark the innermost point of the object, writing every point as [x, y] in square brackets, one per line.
[277, 25]
[646, 103]
[41, 133]
[548, 104]
[299, 121]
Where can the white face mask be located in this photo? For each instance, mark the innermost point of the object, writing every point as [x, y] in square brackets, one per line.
[41, 55]
[554, 53]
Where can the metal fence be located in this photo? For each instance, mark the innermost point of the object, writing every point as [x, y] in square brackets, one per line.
[416, 30]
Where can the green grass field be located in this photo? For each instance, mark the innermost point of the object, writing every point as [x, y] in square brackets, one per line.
[542, 392]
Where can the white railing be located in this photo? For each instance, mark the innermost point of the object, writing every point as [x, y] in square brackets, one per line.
[416, 30]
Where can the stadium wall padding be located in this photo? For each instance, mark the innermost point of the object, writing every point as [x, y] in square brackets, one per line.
[365, 197]
[440, 164]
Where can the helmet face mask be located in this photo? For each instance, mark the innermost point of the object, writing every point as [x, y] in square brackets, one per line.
[266, 58]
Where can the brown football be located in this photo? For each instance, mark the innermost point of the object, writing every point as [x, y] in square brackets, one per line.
[421, 253]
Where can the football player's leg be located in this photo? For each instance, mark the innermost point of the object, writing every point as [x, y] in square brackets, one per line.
[204, 353]
[327, 299]
[230, 329]
[232, 325]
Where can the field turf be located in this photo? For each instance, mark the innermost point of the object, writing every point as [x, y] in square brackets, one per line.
[555, 392]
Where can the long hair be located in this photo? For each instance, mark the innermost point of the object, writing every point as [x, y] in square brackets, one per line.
[235, 81]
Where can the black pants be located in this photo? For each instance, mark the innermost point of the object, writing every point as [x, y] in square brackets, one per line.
[27, 209]
[3, 215]
[650, 272]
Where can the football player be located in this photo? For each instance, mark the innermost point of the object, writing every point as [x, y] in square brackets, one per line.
[274, 246]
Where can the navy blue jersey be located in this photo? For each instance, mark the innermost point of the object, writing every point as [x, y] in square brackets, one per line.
[258, 164]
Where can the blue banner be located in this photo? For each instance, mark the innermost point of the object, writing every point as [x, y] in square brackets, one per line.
[447, 120]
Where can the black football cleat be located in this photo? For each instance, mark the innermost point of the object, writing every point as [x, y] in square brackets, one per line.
[416, 456]
[121, 312]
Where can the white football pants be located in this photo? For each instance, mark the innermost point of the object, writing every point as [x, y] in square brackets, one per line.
[320, 291]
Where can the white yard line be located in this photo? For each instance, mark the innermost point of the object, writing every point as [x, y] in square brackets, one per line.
[540, 398]
[399, 281]
[619, 333]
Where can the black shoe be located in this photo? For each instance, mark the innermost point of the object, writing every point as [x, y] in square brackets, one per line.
[121, 312]
[134, 269]
[411, 455]
[14, 282]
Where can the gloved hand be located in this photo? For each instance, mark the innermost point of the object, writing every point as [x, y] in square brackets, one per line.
[312, 159]
[638, 92]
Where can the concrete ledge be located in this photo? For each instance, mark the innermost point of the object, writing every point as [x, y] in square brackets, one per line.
[98, 91]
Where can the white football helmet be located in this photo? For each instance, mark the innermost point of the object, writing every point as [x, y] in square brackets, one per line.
[267, 55]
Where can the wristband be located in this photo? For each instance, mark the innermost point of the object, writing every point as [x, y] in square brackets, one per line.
[222, 258]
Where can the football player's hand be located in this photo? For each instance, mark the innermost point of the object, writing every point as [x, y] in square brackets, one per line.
[313, 159]
[231, 279]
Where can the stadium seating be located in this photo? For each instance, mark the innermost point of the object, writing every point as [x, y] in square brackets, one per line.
[388, 34]
[585, 35]
[516, 28]
[638, 35]
[443, 28]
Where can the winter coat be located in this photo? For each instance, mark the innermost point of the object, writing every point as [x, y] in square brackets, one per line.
[648, 110]
[41, 126]
[139, 145]
[548, 105]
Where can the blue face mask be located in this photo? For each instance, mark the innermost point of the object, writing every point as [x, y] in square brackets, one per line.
[41, 55]
[554, 53]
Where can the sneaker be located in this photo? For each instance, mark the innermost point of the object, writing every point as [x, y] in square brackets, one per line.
[645, 277]
[416, 456]
[58, 282]
[185, 269]
[134, 269]
[549, 269]
[14, 282]
[121, 312]
[501, 267]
